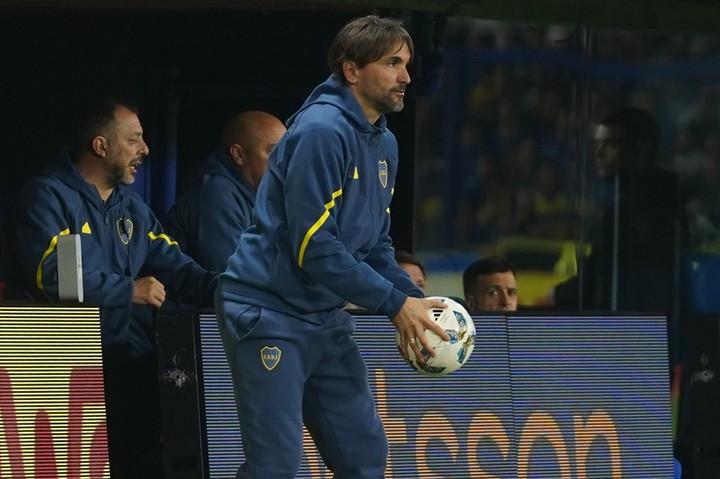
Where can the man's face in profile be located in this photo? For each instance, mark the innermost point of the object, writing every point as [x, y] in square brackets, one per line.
[611, 151]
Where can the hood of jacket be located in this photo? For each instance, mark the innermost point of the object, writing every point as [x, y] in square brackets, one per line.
[220, 163]
[334, 92]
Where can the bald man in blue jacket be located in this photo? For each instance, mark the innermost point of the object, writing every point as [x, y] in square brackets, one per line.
[209, 217]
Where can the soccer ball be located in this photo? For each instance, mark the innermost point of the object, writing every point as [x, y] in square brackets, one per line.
[449, 355]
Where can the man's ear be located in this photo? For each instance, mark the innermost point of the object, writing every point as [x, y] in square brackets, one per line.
[238, 153]
[350, 70]
[99, 146]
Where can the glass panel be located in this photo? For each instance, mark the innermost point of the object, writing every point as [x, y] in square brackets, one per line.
[508, 163]
[497, 155]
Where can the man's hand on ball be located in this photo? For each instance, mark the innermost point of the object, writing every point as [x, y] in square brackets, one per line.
[411, 322]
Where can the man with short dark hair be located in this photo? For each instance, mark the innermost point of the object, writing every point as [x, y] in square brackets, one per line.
[489, 284]
[129, 265]
[626, 139]
[635, 241]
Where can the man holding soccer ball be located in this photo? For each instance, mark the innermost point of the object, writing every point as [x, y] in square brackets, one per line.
[321, 240]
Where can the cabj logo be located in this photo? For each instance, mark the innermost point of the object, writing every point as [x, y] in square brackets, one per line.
[383, 172]
[270, 357]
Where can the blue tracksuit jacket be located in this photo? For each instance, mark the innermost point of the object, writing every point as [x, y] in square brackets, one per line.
[121, 240]
[209, 217]
[322, 216]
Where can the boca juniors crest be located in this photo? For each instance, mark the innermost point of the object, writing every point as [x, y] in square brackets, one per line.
[125, 229]
[383, 172]
[270, 357]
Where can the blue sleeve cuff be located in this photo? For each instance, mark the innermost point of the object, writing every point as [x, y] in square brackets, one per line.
[393, 303]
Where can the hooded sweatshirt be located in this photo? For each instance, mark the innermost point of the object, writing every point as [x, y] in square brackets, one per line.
[209, 217]
[321, 236]
[121, 240]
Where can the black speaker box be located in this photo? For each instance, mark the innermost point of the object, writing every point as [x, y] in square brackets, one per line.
[698, 434]
[181, 399]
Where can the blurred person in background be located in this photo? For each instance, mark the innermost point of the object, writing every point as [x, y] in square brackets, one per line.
[634, 242]
[413, 267]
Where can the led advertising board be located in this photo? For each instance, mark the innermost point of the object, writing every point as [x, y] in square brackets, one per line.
[52, 403]
[562, 396]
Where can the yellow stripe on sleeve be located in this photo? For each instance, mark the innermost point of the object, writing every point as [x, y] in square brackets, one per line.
[317, 226]
[162, 236]
[51, 248]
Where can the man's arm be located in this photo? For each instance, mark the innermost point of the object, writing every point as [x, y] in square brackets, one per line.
[45, 215]
[313, 186]
[382, 259]
[225, 215]
[314, 181]
[186, 280]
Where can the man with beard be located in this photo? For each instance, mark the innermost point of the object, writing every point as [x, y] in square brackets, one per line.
[320, 240]
[129, 264]
[489, 284]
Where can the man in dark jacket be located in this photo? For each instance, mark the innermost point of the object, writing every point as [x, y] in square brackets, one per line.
[209, 217]
[632, 266]
[128, 266]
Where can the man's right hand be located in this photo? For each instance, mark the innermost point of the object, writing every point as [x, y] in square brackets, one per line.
[411, 322]
[148, 290]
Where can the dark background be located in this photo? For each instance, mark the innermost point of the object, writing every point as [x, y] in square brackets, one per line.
[187, 71]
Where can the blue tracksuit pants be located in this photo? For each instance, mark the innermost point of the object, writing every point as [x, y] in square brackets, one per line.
[286, 372]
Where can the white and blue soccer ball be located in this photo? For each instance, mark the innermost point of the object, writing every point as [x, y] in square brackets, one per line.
[450, 355]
